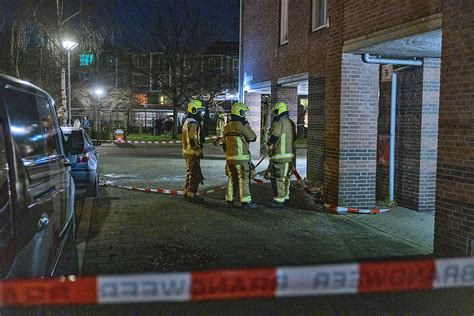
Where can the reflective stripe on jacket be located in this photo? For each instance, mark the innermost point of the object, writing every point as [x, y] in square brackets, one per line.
[237, 137]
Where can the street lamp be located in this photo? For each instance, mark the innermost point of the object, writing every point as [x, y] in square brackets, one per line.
[69, 45]
[98, 92]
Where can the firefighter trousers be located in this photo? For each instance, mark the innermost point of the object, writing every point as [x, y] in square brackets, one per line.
[281, 180]
[193, 176]
[238, 180]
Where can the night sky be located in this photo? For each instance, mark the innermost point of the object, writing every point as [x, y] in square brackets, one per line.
[132, 14]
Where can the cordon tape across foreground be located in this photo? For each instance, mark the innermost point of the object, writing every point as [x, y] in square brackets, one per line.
[334, 279]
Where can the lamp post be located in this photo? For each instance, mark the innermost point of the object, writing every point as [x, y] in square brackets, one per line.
[69, 45]
[98, 92]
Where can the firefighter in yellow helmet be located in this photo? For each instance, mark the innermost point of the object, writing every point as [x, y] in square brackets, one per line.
[220, 127]
[237, 137]
[192, 150]
[280, 147]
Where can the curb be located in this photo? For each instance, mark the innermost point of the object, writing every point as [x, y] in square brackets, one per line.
[332, 279]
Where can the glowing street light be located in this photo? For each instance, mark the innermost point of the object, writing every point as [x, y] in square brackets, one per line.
[69, 45]
[99, 92]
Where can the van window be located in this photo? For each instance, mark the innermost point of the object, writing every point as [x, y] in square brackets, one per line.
[32, 124]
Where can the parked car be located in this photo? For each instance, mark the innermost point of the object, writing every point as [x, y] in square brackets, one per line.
[37, 218]
[84, 161]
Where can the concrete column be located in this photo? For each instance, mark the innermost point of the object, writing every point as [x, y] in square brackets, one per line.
[289, 95]
[254, 116]
[316, 129]
[454, 219]
[358, 132]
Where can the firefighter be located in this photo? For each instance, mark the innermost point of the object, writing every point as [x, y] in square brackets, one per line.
[192, 150]
[239, 167]
[220, 127]
[280, 150]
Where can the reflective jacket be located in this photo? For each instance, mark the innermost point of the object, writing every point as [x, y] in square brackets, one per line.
[237, 137]
[191, 138]
[283, 131]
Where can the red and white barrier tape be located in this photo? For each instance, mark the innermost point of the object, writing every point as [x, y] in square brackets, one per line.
[334, 279]
[148, 190]
[338, 210]
[150, 142]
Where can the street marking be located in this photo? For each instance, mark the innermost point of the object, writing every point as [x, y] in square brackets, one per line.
[147, 287]
[396, 276]
[227, 284]
[454, 273]
[318, 280]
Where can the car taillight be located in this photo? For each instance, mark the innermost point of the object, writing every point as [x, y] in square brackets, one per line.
[84, 157]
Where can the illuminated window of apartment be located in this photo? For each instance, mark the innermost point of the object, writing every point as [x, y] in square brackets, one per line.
[284, 21]
[319, 14]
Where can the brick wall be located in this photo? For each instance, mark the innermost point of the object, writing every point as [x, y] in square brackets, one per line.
[454, 222]
[364, 17]
[429, 134]
[254, 102]
[316, 128]
[358, 132]
[416, 136]
[289, 95]
[293, 56]
[260, 38]
[408, 129]
[333, 100]
[383, 130]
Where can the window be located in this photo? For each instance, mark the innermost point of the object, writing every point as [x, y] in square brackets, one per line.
[33, 126]
[319, 19]
[284, 21]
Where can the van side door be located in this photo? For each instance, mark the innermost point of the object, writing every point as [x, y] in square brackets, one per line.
[7, 245]
[39, 180]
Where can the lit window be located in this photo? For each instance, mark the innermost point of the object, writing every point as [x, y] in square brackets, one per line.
[284, 21]
[319, 19]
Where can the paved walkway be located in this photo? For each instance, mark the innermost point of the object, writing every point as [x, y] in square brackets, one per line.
[138, 232]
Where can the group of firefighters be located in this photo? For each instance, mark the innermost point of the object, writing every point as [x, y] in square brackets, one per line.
[237, 136]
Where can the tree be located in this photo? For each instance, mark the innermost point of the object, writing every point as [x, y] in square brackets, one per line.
[181, 34]
[35, 31]
[122, 99]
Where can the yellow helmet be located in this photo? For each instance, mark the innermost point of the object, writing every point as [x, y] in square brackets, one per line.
[195, 106]
[239, 109]
[279, 108]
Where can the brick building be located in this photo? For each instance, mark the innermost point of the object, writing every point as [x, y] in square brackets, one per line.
[418, 56]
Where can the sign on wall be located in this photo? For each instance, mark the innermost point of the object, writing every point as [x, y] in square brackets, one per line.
[86, 59]
[387, 71]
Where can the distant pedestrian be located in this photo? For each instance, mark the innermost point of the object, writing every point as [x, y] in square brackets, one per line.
[168, 126]
[159, 126]
[77, 124]
[192, 151]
